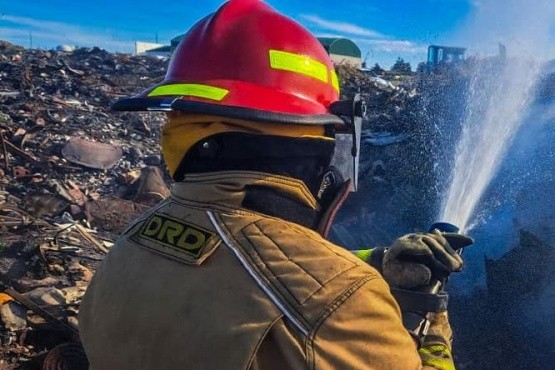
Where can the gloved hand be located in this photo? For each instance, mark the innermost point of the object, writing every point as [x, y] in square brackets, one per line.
[416, 260]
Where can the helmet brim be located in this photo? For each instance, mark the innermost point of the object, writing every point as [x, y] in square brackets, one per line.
[181, 105]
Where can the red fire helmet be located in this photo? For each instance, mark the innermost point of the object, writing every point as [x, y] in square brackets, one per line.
[246, 61]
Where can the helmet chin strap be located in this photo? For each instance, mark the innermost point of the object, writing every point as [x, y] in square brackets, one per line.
[347, 140]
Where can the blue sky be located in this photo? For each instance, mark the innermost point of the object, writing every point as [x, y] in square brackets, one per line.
[383, 29]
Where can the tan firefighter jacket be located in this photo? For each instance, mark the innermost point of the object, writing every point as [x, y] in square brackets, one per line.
[200, 282]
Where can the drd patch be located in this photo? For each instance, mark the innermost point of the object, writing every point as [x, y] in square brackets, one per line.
[174, 234]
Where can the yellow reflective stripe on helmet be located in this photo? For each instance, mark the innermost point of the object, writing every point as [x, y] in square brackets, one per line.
[334, 81]
[437, 356]
[197, 90]
[363, 254]
[298, 64]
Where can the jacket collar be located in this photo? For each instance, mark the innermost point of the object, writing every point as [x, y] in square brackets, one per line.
[273, 195]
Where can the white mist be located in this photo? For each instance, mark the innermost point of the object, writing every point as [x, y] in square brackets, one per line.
[498, 96]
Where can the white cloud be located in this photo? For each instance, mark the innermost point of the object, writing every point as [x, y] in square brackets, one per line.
[331, 35]
[384, 45]
[400, 46]
[337, 26]
[370, 39]
[36, 23]
[48, 33]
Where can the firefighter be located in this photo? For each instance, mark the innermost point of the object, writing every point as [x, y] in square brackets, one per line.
[233, 271]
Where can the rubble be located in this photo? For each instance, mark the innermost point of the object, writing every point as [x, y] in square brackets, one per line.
[73, 174]
[91, 154]
[13, 315]
[514, 318]
[393, 136]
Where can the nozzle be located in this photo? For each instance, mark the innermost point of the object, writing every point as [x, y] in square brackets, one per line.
[444, 227]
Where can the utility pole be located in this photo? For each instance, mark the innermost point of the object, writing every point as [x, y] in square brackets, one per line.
[30, 40]
[156, 38]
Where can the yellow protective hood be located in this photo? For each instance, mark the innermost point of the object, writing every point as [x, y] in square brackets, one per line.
[184, 130]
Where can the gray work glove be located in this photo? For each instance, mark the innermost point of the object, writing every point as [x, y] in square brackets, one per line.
[416, 260]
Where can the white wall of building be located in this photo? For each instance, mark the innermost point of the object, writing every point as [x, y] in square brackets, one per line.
[142, 47]
[343, 59]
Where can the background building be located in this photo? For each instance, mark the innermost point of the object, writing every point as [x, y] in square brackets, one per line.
[153, 49]
[342, 50]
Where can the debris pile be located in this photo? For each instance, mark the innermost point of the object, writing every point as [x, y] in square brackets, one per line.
[393, 166]
[514, 320]
[72, 175]
[389, 103]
